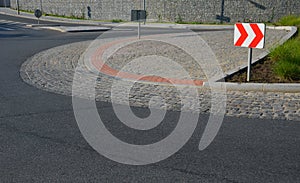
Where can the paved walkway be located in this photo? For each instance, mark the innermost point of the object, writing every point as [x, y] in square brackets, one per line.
[53, 70]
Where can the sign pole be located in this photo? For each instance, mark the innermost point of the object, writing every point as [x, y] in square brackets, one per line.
[249, 64]
[138, 16]
[18, 7]
[38, 14]
[139, 30]
[145, 10]
[41, 3]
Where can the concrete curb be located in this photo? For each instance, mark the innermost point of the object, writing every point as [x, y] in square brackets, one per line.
[180, 26]
[42, 25]
[258, 87]
[75, 29]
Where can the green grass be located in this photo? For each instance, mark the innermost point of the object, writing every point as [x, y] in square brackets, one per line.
[188, 22]
[287, 60]
[117, 21]
[68, 17]
[82, 17]
[26, 11]
[287, 56]
[291, 20]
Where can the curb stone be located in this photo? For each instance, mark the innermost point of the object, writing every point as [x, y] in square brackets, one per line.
[75, 29]
[259, 87]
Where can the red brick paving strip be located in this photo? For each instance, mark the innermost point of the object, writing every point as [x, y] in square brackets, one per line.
[98, 63]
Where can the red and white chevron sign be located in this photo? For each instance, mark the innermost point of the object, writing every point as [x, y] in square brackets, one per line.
[251, 35]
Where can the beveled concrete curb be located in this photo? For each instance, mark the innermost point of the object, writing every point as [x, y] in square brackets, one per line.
[76, 29]
[259, 87]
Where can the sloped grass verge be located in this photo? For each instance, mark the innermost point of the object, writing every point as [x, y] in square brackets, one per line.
[286, 57]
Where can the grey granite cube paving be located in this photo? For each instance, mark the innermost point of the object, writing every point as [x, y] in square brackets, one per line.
[53, 70]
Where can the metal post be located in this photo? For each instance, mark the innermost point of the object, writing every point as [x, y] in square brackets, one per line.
[139, 30]
[41, 3]
[18, 7]
[145, 10]
[249, 64]
[222, 11]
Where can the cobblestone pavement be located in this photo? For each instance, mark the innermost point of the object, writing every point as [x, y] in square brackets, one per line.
[229, 57]
[53, 70]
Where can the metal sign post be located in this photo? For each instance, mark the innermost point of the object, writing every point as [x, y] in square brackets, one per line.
[249, 64]
[18, 7]
[139, 30]
[145, 11]
[41, 3]
[38, 14]
[138, 16]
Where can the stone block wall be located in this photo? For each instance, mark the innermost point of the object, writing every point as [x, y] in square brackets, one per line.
[170, 10]
[4, 3]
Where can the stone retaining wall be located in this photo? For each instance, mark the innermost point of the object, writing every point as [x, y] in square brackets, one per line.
[4, 3]
[170, 10]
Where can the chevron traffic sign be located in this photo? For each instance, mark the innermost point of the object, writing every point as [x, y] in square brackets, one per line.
[250, 35]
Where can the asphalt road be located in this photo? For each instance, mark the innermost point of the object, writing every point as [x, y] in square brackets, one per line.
[40, 140]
